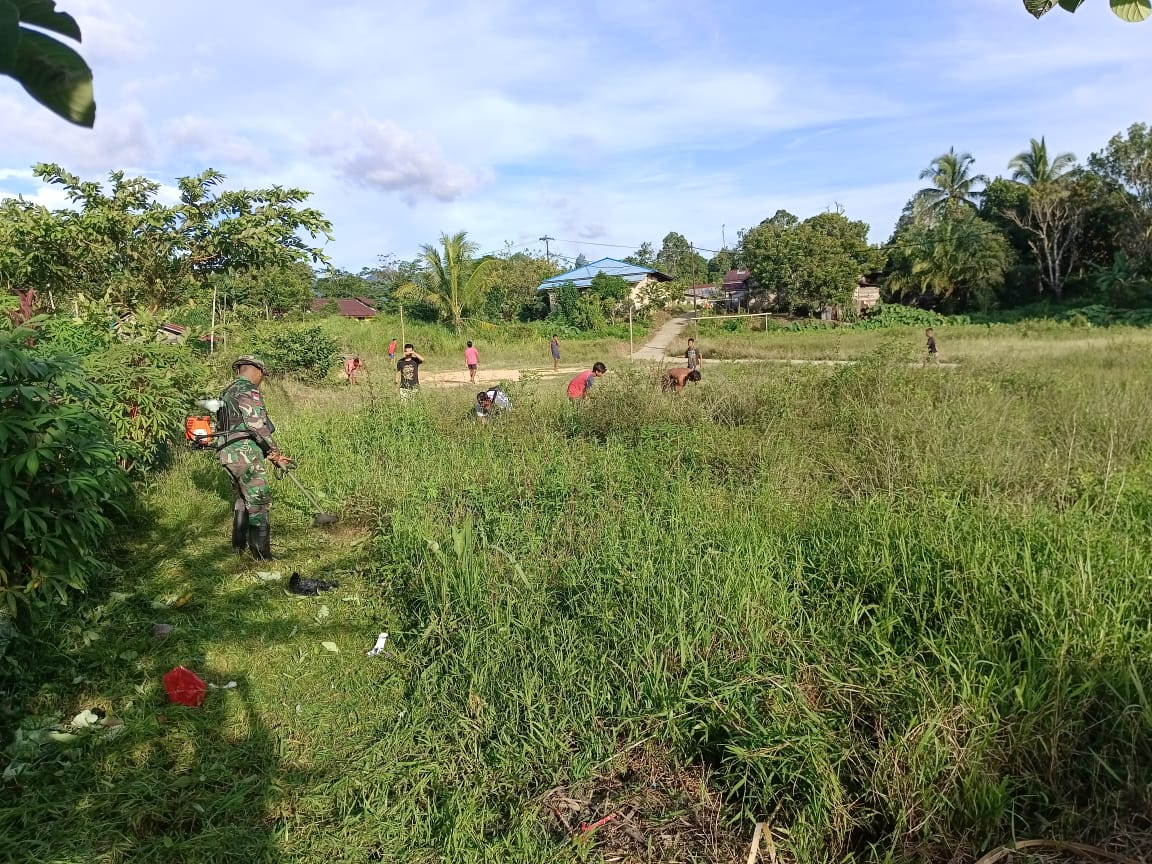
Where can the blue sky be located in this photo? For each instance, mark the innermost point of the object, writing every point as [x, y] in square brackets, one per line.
[599, 122]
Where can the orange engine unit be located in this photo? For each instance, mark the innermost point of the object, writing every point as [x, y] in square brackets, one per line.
[198, 431]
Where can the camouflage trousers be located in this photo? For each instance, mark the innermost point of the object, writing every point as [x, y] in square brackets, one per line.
[244, 460]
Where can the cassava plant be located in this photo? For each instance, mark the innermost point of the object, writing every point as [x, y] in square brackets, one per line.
[60, 482]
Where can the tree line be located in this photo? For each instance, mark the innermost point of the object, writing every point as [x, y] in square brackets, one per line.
[1048, 228]
[1052, 228]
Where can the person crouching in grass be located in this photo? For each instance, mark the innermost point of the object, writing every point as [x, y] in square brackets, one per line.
[491, 402]
[579, 387]
[675, 379]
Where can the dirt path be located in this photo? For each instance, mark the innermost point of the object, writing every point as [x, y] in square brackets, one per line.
[488, 377]
[658, 345]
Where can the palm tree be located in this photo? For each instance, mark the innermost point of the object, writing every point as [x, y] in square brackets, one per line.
[1032, 167]
[452, 277]
[963, 257]
[953, 186]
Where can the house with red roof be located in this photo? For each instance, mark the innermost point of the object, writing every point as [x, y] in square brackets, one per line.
[359, 308]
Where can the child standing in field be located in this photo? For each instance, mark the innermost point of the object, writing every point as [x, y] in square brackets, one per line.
[408, 371]
[391, 350]
[693, 355]
[931, 337]
[472, 358]
[555, 344]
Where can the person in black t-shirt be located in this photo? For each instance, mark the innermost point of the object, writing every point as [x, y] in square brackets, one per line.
[408, 371]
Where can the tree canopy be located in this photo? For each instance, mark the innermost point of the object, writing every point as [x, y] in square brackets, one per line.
[120, 241]
[451, 276]
[809, 264]
[1133, 11]
[957, 260]
[953, 185]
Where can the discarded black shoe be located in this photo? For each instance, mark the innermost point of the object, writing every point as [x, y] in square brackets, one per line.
[309, 587]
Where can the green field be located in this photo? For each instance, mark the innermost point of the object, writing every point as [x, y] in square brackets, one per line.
[901, 614]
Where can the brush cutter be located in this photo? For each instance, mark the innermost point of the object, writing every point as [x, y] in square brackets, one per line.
[319, 517]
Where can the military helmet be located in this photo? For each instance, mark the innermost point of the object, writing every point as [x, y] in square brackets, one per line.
[248, 360]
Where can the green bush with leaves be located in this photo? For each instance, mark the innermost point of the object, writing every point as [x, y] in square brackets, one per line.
[60, 481]
[146, 390]
[895, 315]
[580, 311]
[304, 353]
[65, 335]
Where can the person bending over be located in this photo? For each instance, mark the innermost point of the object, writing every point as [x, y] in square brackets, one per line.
[491, 402]
[579, 386]
[675, 379]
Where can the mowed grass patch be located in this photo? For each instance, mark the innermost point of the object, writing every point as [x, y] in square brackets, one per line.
[505, 346]
[901, 613]
[996, 345]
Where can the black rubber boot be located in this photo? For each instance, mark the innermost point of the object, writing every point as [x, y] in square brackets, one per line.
[239, 531]
[258, 536]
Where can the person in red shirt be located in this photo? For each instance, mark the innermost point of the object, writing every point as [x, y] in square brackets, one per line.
[352, 367]
[392, 350]
[579, 386]
[472, 358]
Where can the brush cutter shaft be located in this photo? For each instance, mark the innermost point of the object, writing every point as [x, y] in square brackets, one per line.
[315, 504]
[319, 517]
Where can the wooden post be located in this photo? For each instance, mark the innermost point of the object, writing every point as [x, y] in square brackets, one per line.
[402, 340]
[224, 322]
[631, 347]
[212, 332]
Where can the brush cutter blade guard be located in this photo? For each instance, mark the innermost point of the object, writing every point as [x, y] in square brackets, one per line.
[322, 519]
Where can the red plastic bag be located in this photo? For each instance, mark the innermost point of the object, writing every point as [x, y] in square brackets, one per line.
[185, 687]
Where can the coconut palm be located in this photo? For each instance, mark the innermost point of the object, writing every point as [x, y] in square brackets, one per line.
[451, 276]
[962, 257]
[1033, 168]
[953, 185]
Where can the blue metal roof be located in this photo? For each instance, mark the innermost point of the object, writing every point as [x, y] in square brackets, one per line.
[581, 277]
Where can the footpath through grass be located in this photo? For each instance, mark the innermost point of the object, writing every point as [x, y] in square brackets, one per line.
[903, 614]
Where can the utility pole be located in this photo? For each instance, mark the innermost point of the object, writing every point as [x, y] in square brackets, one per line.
[695, 289]
[724, 236]
[547, 253]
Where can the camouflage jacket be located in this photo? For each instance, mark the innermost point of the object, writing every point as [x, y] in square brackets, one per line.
[243, 416]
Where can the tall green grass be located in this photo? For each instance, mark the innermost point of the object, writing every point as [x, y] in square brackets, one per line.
[901, 613]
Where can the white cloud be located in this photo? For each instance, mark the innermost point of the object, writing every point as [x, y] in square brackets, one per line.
[121, 139]
[110, 32]
[383, 156]
[52, 197]
[198, 136]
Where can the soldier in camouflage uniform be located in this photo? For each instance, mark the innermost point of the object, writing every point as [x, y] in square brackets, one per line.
[246, 441]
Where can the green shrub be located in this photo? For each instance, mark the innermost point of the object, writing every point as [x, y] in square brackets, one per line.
[304, 353]
[59, 478]
[146, 390]
[895, 315]
[64, 335]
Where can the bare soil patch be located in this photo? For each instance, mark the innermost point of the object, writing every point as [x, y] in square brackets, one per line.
[486, 377]
[643, 809]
